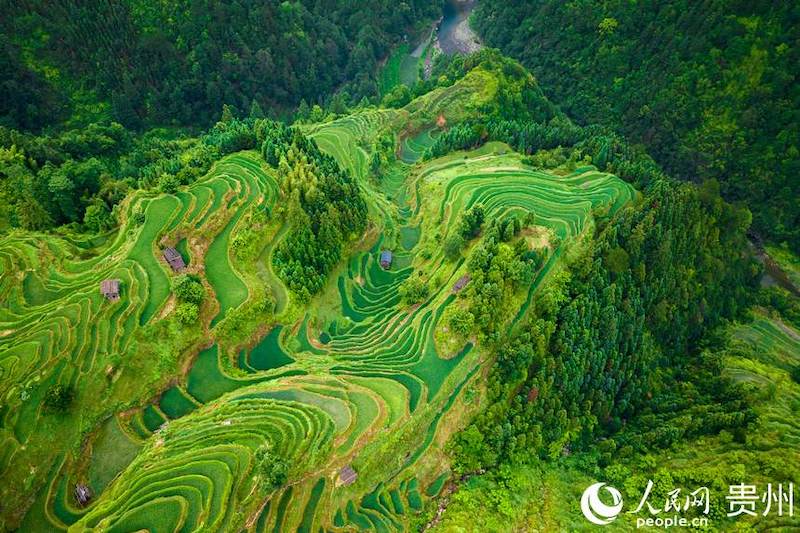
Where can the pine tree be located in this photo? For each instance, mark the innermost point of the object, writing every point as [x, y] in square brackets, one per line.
[255, 110]
[227, 114]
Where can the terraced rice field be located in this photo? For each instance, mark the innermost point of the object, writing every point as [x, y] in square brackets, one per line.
[353, 379]
[773, 347]
[414, 147]
[57, 328]
[350, 138]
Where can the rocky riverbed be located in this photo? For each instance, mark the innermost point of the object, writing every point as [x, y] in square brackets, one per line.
[455, 36]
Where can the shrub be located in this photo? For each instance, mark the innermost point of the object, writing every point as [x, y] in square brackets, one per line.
[413, 290]
[189, 289]
[452, 246]
[471, 222]
[58, 398]
[168, 183]
[461, 321]
[97, 217]
[138, 217]
[187, 313]
[397, 97]
[239, 321]
[271, 468]
[167, 361]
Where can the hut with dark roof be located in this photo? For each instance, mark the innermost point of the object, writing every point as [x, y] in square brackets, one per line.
[386, 259]
[347, 475]
[174, 259]
[461, 283]
[110, 289]
[82, 495]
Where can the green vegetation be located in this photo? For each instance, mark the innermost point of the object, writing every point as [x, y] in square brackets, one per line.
[391, 74]
[276, 412]
[788, 262]
[757, 358]
[121, 61]
[323, 205]
[709, 88]
[58, 398]
[188, 288]
[557, 309]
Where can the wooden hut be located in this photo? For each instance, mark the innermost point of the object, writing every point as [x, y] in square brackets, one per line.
[83, 495]
[461, 283]
[386, 259]
[110, 289]
[174, 259]
[347, 475]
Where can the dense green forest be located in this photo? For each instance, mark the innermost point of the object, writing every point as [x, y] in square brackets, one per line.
[640, 300]
[709, 88]
[176, 63]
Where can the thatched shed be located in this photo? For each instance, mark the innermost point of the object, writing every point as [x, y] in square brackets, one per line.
[174, 258]
[110, 289]
[347, 475]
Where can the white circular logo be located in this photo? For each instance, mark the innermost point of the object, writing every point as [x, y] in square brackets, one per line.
[595, 510]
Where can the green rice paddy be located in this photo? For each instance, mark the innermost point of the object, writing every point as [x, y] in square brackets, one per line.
[375, 393]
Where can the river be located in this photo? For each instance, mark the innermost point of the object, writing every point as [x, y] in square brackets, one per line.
[455, 35]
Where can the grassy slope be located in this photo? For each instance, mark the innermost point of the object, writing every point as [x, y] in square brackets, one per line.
[392, 73]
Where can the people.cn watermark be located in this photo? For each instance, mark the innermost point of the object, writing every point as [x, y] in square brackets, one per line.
[601, 504]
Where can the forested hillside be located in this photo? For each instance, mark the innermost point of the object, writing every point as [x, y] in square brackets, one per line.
[160, 63]
[709, 88]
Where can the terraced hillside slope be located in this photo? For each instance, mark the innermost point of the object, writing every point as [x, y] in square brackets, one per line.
[328, 415]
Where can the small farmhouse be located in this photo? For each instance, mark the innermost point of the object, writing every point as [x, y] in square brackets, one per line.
[347, 475]
[110, 289]
[386, 259]
[82, 495]
[461, 283]
[174, 259]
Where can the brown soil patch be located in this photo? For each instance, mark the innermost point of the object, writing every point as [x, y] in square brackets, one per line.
[537, 237]
[172, 302]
